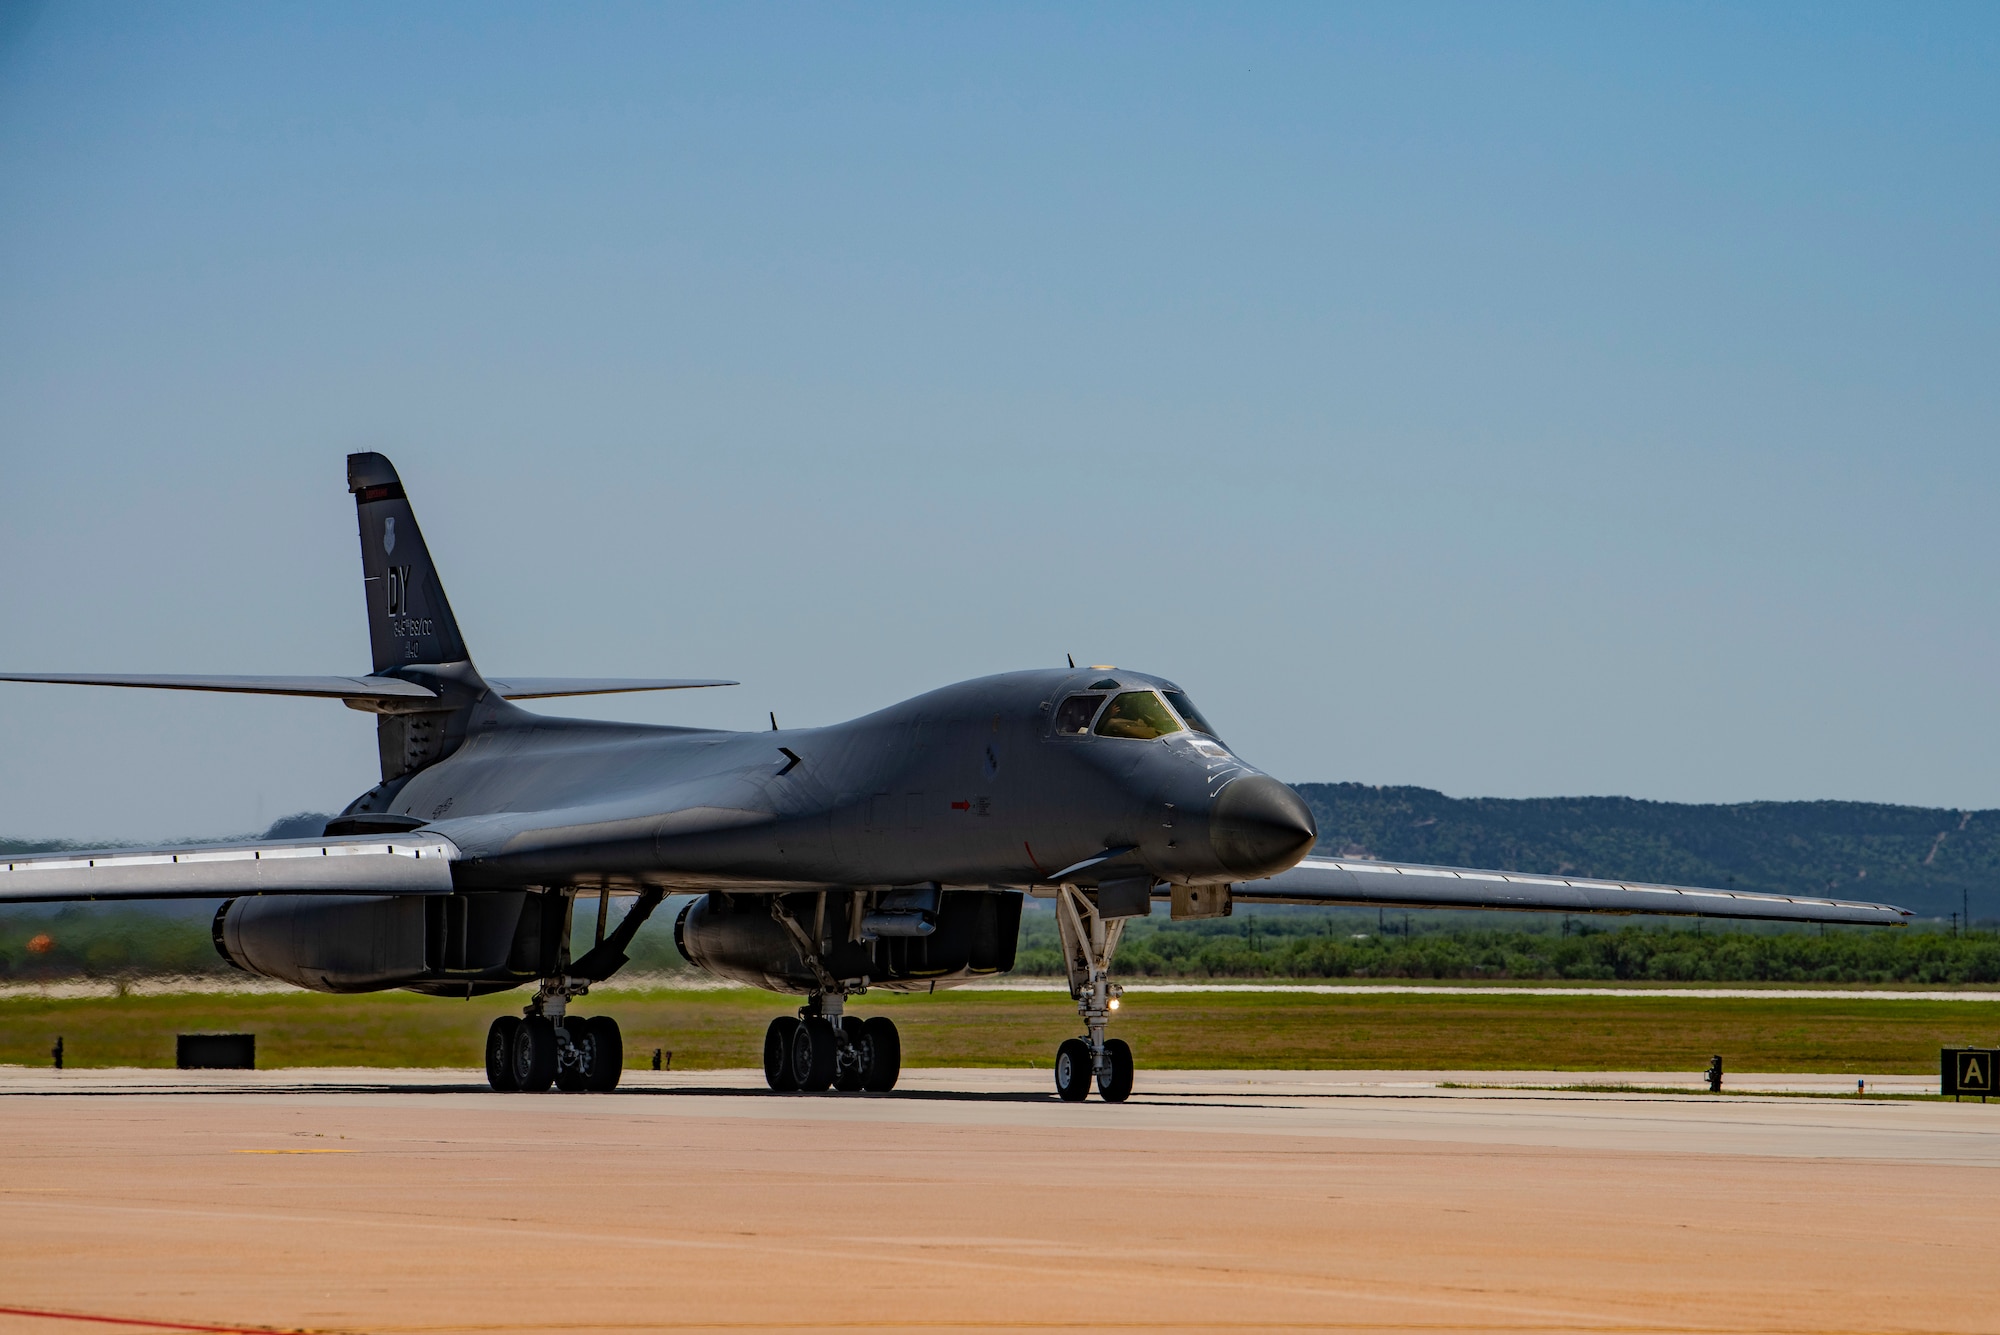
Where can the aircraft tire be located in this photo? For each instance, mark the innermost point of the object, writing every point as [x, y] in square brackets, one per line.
[1116, 1085]
[852, 1075]
[813, 1055]
[534, 1055]
[778, 1053]
[1073, 1070]
[500, 1053]
[885, 1053]
[607, 1054]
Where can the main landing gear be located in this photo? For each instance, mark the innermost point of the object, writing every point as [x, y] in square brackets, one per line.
[1089, 939]
[547, 1046]
[824, 1048]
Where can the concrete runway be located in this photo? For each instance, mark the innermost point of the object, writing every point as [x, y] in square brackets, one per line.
[417, 1201]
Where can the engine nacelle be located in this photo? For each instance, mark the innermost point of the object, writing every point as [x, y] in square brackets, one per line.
[448, 945]
[738, 937]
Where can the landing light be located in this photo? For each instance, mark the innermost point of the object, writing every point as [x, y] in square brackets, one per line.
[1114, 1003]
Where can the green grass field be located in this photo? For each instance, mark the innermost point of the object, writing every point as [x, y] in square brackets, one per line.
[708, 1029]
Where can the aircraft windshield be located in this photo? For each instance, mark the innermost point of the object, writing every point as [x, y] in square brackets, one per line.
[1189, 714]
[1073, 719]
[1137, 714]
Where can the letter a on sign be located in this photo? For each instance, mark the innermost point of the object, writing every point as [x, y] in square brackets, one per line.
[1975, 1072]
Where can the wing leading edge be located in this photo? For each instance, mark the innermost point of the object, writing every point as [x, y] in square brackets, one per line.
[415, 864]
[1400, 885]
[338, 688]
[363, 688]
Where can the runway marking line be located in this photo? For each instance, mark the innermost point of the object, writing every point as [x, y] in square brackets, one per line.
[143, 1323]
[295, 1151]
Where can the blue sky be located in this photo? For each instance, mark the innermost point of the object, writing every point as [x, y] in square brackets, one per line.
[1510, 400]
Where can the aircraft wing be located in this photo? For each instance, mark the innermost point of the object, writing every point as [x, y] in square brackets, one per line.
[365, 688]
[340, 688]
[542, 688]
[413, 864]
[1401, 885]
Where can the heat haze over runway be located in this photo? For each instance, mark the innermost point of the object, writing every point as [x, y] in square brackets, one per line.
[416, 1201]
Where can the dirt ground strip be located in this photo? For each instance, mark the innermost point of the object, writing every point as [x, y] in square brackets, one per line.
[374, 1201]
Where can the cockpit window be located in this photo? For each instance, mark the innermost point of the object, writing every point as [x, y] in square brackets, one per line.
[1106, 685]
[1073, 719]
[1189, 714]
[1137, 714]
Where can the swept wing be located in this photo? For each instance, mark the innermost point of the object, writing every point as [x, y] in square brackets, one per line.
[1403, 885]
[413, 864]
[365, 687]
[338, 688]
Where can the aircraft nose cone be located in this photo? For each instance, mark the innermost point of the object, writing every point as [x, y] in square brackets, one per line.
[1259, 827]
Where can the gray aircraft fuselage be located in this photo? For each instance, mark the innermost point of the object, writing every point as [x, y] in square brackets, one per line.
[968, 785]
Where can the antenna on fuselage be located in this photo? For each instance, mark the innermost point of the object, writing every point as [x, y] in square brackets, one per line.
[1071, 658]
[774, 720]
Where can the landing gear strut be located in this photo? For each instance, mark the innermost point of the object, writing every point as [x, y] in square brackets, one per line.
[825, 1048]
[1089, 940]
[548, 1046]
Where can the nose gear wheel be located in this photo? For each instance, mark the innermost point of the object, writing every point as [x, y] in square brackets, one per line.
[1114, 1078]
[1073, 1070]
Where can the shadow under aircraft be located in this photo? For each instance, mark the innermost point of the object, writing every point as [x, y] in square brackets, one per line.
[892, 851]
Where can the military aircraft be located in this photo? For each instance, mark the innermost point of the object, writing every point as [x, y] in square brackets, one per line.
[893, 851]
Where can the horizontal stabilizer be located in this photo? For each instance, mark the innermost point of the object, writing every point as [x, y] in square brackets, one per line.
[1399, 885]
[338, 688]
[414, 864]
[542, 688]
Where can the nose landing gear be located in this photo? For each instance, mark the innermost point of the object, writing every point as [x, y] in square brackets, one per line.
[823, 1048]
[1089, 940]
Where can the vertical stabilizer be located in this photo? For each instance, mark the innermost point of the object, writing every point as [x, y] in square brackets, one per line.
[410, 627]
[409, 620]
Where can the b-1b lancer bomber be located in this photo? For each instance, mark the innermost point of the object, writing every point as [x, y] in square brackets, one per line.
[893, 851]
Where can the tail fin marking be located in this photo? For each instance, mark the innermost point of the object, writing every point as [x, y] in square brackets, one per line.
[409, 618]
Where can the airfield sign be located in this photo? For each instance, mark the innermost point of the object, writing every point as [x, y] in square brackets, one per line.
[1968, 1071]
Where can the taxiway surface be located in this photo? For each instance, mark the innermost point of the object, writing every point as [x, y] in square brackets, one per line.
[418, 1201]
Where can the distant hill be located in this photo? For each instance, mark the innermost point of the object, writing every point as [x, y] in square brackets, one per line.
[1924, 859]
[298, 825]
